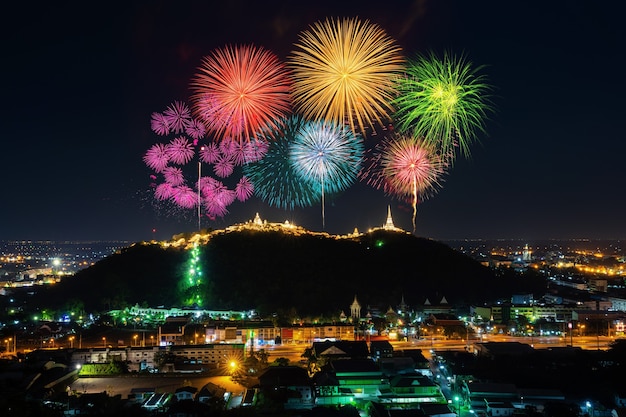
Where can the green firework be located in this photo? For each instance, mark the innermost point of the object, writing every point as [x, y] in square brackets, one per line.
[445, 101]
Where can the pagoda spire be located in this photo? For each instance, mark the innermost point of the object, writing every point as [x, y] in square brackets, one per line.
[389, 223]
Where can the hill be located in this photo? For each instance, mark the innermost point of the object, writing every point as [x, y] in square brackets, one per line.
[273, 269]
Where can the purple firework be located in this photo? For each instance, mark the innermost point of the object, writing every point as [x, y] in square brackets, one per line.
[244, 189]
[178, 116]
[210, 153]
[185, 197]
[164, 191]
[224, 167]
[159, 124]
[156, 157]
[180, 151]
[174, 176]
[173, 161]
[195, 129]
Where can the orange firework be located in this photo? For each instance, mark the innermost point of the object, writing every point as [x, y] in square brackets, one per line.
[344, 71]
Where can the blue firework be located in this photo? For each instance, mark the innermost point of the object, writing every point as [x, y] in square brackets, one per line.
[273, 177]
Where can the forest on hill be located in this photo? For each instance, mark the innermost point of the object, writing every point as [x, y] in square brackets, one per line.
[273, 271]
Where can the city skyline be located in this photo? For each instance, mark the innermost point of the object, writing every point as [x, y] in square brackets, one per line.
[82, 86]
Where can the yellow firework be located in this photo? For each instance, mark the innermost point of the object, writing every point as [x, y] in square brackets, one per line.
[344, 71]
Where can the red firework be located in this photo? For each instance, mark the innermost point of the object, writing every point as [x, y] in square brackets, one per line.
[238, 90]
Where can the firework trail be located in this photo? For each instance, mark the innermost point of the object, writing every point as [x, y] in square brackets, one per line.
[327, 156]
[240, 89]
[444, 101]
[343, 72]
[273, 177]
[406, 167]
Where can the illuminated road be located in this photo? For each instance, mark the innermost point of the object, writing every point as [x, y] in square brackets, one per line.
[294, 352]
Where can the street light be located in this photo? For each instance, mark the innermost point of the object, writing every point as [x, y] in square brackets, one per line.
[458, 405]
[135, 340]
[71, 342]
[152, 340]
[104, 342]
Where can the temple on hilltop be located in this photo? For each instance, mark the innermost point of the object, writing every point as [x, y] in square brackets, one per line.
[388, 225]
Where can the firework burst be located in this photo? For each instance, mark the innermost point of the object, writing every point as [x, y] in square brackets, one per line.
[327, 156]
[171, 164]
[407, 168]
[343, 72]
[273, 177]
[444, 101]
[238, 90]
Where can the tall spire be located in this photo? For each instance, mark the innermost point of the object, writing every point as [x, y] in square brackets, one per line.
[389, 223]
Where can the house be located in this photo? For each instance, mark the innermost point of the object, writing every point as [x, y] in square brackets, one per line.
[340, 349]
[499, 408]
[380, 349]
[481, 392]
[289, 385]
[185, 393]
[210, 392]
[412, 390]
[172, 331]
[139, 395]
[349, 380]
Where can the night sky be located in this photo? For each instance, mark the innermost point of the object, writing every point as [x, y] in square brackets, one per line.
[80, 81]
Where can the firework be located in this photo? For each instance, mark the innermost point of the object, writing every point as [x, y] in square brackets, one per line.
[224, 167]
[244, 189]
[171, 163]
[343, 72]
[177, 116]
[408, 168]
[195, 129]
[238, 90]
[156, 157]
[174, 176]
[185, 197]
[159, 124]
[180, 151]
[444, 101]
[273, 177]
[327, 156]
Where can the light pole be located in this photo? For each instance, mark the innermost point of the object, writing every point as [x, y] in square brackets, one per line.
[135, 340]
[104, 342]
[71, 342]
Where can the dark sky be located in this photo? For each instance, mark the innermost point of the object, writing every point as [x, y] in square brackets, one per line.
[81, 79]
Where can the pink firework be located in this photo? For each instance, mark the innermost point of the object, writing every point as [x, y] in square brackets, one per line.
[244, 189]
[174, 176]
[215, 208]
[255, 150]
[156, 157]
[180, 151]
[238, 90]
[210, 153]
[185, 197]
[178, 116]
[164, 191]
[408, 168]
[195, 129]
[224, 167]
[172, 162]
[159, 124]
[210, 187]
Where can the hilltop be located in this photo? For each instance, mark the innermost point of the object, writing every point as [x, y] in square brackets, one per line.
[281, 267]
